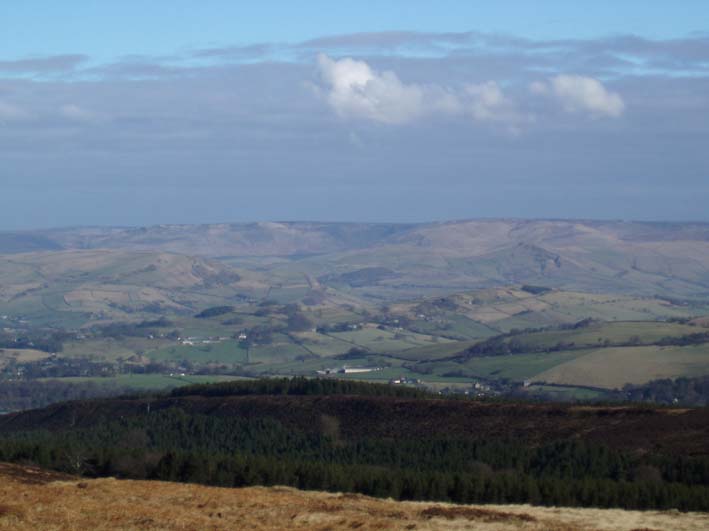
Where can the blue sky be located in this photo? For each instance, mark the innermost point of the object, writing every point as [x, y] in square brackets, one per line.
[111, 29]
[136, 113]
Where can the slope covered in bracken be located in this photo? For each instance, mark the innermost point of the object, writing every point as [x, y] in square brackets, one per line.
[34, 499]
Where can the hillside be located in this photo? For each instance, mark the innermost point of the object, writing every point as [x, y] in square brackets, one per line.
[635, 428]
[75, 286]
[35, 499]
[376, 440]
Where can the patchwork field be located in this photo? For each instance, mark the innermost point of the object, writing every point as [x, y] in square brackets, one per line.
[409, 299]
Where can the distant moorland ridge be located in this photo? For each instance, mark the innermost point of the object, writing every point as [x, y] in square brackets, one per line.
[611, 256]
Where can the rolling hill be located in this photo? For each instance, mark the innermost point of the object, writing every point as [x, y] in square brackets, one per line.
[74, 286]
[406, 298]
[608, 256]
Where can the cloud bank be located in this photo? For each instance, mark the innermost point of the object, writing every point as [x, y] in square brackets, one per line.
[401, 126]
[353, 89]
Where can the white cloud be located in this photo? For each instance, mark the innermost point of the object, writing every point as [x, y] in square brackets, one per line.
[489, 103]
[356, 90]
[581, 94]
[486, 102]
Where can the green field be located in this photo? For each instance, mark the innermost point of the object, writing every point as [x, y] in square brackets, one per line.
[111, 349]
[387, 340]
[442, 349]
[514, 366]
[231, 352]
[613, 367]
[149, 381]
[613, 333]
[519, 367]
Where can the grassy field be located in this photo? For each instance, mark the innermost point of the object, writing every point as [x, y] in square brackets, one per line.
[322, 344]
[230, 352]
[378, 340]
[514, 367]
[613, 367]
[519, 367]
[454, 325]
[441, 349]
[509, 308]
[277, 352]
[587, 364]
[149, 381]
[21, 355]
[111, 349]
[613, 332]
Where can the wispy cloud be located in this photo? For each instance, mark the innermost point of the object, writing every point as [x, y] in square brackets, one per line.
[44, 65]
[612, 55]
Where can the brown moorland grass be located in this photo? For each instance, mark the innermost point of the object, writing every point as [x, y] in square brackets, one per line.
[34, 499]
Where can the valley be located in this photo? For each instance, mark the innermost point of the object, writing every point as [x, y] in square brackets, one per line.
[586, 307]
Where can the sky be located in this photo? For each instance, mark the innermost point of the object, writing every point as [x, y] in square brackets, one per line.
[139, 113]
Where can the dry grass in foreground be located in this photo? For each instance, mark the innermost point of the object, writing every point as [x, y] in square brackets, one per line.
[36, 499]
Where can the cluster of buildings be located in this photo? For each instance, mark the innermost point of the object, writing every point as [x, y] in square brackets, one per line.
[403, 380]
[192, 341]
[348, 370]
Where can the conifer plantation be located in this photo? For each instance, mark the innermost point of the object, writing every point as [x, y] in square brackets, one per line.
[309, 434]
